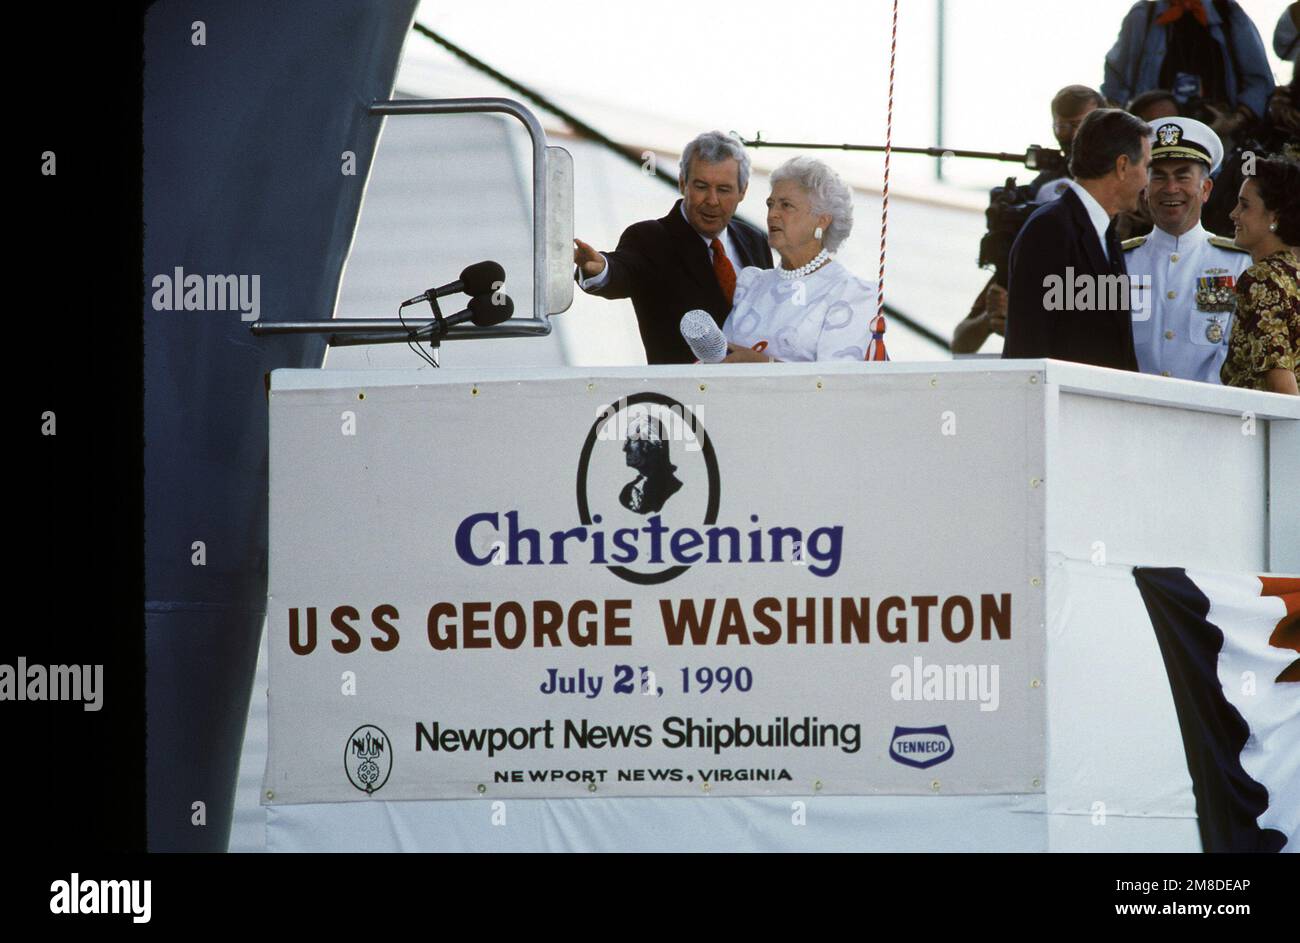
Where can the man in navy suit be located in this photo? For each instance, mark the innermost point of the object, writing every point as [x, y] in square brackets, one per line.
[1069, 296]
[688, 259]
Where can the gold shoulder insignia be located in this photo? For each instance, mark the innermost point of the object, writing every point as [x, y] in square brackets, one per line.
[1223, 242]
[1132, 243]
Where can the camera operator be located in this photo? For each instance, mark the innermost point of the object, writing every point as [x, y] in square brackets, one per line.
[1069, 107]
[988, 315]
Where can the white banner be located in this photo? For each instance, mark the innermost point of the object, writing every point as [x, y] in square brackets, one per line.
[570, 586]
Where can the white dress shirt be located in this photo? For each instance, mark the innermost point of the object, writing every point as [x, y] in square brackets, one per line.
[1181, 329]
[1100, 221]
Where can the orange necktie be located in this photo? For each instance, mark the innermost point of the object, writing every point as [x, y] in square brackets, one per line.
[722, 268]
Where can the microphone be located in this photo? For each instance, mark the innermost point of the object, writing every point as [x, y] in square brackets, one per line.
[706, 340]
[482, 312]
[477, 279]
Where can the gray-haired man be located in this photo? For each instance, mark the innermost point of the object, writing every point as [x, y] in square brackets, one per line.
[687, 260]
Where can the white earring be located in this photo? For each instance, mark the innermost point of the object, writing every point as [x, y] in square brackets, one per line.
[817, 233]
[1272, 227]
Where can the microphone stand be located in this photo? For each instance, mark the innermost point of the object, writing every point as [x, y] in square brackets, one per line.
[439, 325]
[437, 329]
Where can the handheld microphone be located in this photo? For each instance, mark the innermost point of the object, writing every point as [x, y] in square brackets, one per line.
[482, 312]
[702, 333]
[477, 279]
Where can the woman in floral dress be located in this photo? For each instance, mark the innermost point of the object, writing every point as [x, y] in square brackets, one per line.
[1264, 347]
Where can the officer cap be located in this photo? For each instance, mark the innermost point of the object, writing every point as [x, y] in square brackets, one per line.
[1186, 139]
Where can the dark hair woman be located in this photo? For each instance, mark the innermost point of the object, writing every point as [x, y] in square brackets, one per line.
[1264, 348]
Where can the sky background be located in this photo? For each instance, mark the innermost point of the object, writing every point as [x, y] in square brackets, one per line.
[813, 71]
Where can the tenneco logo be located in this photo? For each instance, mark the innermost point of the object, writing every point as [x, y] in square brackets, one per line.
[921, 747]
[648, 494]
[368, 758]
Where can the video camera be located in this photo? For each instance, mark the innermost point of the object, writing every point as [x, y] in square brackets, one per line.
[1009, 207]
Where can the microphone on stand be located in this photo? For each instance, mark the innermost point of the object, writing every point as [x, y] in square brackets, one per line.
[704, 337]
[480, 278]
[482, 311]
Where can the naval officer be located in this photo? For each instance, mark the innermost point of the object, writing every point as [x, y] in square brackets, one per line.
[1183, 318]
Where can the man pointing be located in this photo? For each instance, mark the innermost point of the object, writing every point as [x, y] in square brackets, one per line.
[689, 259]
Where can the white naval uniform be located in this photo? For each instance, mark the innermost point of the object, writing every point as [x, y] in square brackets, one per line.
[1180, 338]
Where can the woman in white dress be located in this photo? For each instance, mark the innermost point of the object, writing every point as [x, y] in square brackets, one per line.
[809, 307]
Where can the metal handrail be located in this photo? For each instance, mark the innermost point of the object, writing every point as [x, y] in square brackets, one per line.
[539, 325]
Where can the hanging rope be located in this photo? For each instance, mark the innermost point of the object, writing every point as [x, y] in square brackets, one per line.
[876, 348]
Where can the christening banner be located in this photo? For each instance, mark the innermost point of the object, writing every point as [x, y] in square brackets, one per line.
[668, 581]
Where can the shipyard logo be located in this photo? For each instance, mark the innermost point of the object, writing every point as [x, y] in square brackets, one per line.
[368, 759]
[921, 747]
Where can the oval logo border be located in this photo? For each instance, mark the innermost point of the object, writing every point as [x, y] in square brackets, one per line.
[710, 464]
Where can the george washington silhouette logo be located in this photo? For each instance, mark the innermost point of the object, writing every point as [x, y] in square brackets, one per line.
[668, 491]
[646, 450]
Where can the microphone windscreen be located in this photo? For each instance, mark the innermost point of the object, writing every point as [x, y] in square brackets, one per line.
[482, 277]
[485, 311]
[705, 338]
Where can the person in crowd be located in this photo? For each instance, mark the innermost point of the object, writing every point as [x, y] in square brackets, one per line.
[1069, 107]
[1153, 105]
[988, 314]
[1264, 349]
[1182, 318]
[1284, 117]
[810, 307]
[1071, 242]
[1209, 54]
[1278, 133]
[688, 259]
[1286, 35]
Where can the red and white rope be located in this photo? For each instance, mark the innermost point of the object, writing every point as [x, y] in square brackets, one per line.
[884, 202]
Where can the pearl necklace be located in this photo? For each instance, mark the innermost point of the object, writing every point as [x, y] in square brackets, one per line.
[820, 259]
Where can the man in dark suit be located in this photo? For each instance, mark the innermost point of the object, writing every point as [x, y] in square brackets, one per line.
[1069, 296]
[688, 259]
